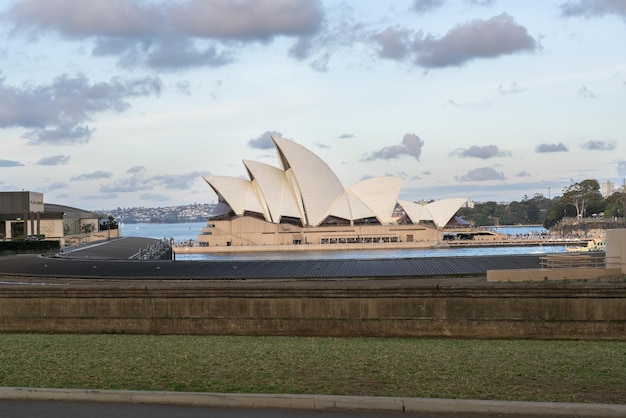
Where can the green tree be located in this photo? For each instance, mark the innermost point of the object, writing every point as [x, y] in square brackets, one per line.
[580, 195]
[615, 205]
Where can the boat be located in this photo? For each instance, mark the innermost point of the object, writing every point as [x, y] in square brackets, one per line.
[595, 245]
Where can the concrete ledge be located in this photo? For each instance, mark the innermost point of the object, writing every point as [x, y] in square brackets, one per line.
[317, 402]
[534, 275]
[516, 310]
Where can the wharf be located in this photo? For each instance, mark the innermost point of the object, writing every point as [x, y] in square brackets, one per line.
[378, 246]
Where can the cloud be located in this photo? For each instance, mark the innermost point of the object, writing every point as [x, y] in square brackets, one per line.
[621, 168]
[136, 169]
[544, 148]
[593, 8]
[54, 160]
[411, 145]
[139, 181]
[168, 35]
[57, 112]
[10, 163]
[264, 141]
[345, 136]
[485, 152]
[523, 174]
[423, 6]
[585, 93]
[512, 88]
[454, 103]
[178, 181]
[154, 197]
[96, 175]
[490, 38]
[599, 145]
[54, 186]
[482, 174]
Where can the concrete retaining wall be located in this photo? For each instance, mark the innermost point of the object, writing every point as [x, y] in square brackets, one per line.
[514, 311]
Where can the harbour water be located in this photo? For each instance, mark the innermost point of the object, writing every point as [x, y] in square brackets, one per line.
[186, 233]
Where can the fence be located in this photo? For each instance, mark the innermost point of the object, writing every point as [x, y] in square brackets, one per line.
[160, 250]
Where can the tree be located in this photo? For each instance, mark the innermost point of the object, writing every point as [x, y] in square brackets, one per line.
[615, 205]
[581, 194]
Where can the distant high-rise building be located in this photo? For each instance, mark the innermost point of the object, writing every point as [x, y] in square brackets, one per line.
[608, 188]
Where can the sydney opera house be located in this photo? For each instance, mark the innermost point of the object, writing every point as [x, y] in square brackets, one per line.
[303, 202]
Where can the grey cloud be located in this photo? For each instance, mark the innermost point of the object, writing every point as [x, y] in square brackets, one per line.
[599, 145]
[593, 8]
[56, 112]
[490, 38]
[139, 181]
[544, 148]
[100, 196]
[394, 43]
[322, 145]
[345, 136]
[523, 174]
[264, 141]
[246, 20]
[10, 163]
[485, 152]
[54, 186]
[423, 6]
[54, 160]
[512, 88]
[621, 168]
[178, 181]
[96, 175]
[411, 145]
[454, 103]
[482, 174]
[154, 197]
[169, 35]
[136, 169]
[134, 183]
[585, 93]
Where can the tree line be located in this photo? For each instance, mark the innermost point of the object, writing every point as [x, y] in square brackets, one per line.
[579, 200]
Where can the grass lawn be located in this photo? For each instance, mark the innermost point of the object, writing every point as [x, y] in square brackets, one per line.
[564, 371]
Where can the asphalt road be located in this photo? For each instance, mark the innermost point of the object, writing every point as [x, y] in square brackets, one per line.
[39, 409]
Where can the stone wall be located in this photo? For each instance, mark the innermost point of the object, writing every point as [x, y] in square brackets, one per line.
[589, 311]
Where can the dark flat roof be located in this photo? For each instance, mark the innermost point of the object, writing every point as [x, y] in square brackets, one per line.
[110, 260]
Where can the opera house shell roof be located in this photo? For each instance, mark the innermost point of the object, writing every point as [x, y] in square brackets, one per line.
[306, 191]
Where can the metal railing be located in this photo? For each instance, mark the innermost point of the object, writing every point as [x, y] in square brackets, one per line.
[159, 250]
[558, 261]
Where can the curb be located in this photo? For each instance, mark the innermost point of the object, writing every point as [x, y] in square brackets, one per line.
[317, 402]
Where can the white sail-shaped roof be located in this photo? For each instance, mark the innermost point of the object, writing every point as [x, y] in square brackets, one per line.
[414, 211]
[238, 193]
[379, 194]
[318, 186]
[274, 190]
[443, 210]
[305, 188]
[440, 212]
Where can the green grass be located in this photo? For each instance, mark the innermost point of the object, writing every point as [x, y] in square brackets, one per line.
[564, 371]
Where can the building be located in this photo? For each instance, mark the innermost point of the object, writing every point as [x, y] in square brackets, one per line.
[24, 214]
[303, 202]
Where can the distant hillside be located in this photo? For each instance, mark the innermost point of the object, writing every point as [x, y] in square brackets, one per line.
[171, 214]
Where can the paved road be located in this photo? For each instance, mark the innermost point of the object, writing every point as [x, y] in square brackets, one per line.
[32, 402]
[32, 409]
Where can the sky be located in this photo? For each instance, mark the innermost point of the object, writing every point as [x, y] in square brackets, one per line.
[128, 103]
